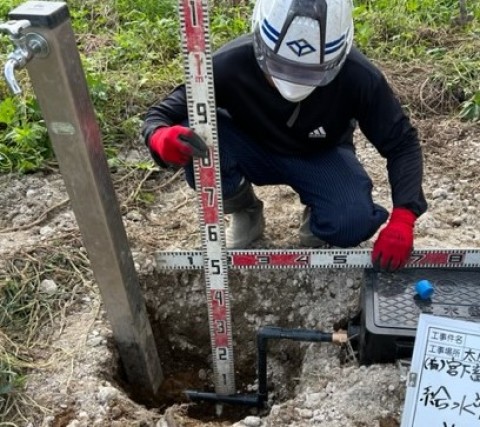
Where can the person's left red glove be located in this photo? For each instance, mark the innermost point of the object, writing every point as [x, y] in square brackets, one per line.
[394, 244]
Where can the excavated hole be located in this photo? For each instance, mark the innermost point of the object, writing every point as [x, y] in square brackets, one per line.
[177, 310]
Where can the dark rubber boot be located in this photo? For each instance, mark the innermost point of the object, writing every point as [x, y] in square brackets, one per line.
[245, 218]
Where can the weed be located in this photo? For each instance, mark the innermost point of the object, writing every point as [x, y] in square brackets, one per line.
[436, 34]
[471, 108]
[26, 310]
[11, 380]
[228, 23]
[24, 146]
[7, 5]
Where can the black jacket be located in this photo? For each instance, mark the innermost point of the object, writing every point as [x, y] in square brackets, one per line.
[359, 94]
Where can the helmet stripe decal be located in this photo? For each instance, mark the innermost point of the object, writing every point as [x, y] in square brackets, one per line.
[271, 33]
[334, 45]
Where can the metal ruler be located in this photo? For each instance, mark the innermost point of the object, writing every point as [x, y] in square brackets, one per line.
[202, 119]
[314, 258]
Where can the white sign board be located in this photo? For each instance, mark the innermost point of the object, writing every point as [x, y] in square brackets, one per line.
[443, 387]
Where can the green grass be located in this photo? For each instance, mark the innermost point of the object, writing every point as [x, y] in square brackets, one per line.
[131, 56]
[11, 385]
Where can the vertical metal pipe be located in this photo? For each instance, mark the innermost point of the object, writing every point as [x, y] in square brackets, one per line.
[262, 344]
[60, 86]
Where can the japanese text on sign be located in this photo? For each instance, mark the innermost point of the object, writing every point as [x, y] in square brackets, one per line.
[444, 380]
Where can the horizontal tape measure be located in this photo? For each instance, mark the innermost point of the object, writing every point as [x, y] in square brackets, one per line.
[317, 258]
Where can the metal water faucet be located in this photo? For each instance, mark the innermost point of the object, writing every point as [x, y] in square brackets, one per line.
[26, 47]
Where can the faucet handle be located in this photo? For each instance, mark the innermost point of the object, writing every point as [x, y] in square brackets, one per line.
[14, 28]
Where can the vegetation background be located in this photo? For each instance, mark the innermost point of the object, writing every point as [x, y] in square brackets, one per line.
[130, 52]
[131, 56]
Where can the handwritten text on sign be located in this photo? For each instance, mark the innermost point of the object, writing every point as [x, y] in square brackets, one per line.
[444, 380]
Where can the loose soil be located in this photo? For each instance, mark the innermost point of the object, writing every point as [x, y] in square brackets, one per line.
[74, 374]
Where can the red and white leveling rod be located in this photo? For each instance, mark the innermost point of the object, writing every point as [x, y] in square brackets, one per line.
[202, 118]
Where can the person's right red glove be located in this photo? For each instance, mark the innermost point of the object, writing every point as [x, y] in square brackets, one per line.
[394, 244]
[177, 145]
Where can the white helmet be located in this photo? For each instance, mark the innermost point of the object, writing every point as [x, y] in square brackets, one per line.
[302, 44]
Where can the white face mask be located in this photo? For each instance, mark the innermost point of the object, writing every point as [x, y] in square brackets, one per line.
[291, 91]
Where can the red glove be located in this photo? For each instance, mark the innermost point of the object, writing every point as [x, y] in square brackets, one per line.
[177, 145]
[394, 244]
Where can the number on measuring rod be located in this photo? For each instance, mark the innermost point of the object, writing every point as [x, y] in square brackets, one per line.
[436, 258]
[202, 112]
[285, 259]
[340, 259]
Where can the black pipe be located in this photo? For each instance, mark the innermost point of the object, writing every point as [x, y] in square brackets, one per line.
[238, 399]
[263, 335]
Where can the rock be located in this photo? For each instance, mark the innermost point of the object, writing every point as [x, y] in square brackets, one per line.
[306, 414]
[252, 421]
[457, 221]
[95, 341]
[440, 193]
[48, 286]
[107, 394]
[202, 374]
[134, 216]
[45, 231]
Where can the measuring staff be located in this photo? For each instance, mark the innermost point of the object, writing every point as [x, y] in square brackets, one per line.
[178, 145]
